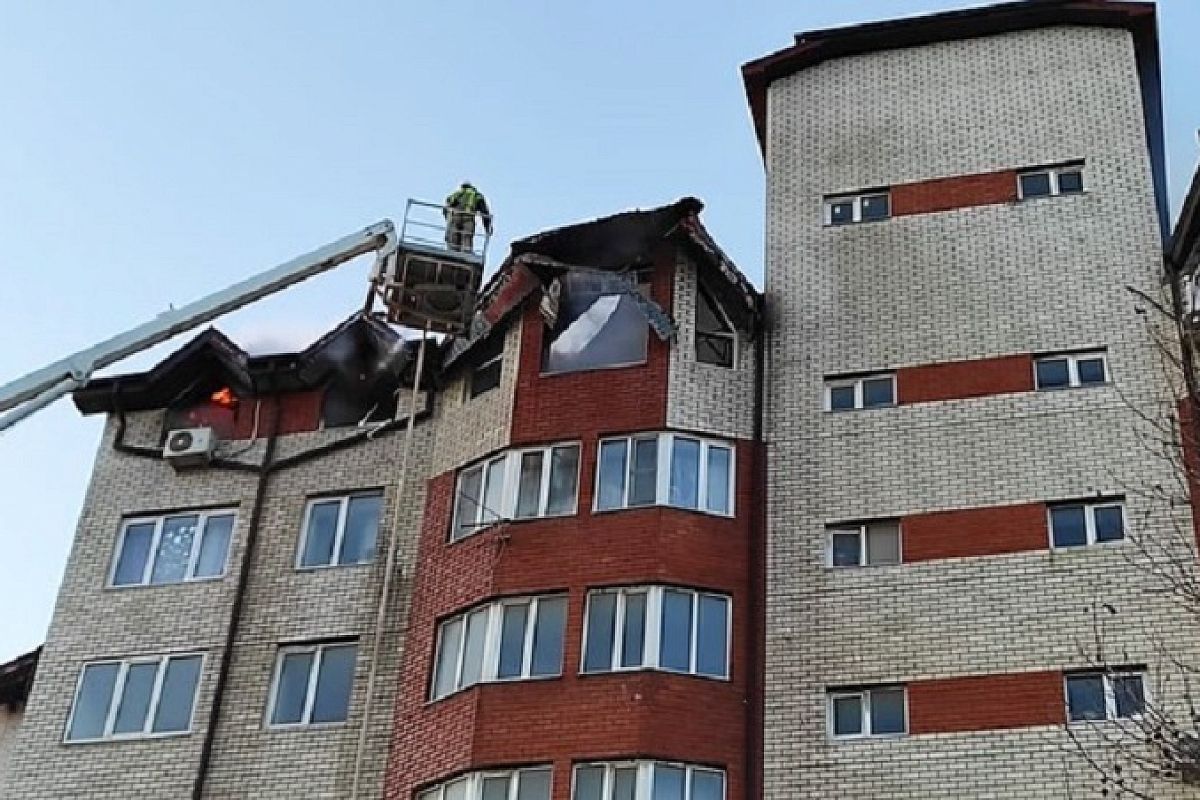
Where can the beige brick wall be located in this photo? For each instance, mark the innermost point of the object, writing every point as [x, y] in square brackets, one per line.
[10, 723]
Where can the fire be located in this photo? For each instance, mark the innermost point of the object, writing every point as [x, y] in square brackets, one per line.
[224, 398]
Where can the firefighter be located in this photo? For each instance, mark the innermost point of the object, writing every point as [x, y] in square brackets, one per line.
[459, 211]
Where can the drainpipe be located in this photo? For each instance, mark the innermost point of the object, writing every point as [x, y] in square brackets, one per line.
[757, 582]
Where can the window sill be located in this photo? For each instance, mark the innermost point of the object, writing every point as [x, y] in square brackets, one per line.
[327, 567]
[863, 408]
[303, 726]
[857, 223]
[1058, 196]
[655, 671]
[127, 737]
[1054, 389]
[1083, 548]
[515, 521]
[870, 737]
[850, 568]
[715, 514]
[605, 368]
[189, 582]
[496, 682]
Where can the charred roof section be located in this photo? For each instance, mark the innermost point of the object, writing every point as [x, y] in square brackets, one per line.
[16, 679]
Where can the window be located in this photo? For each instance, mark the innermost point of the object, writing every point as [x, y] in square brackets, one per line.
[867, 391]
[511, 639]
[1071, 370]
[135, 697]
[598, 322]
[657, 627]
[1084, 523]
[863, 207]
[1048, 181]
[1105, 695]
[875, 711]
[519, 484]
[521, 784]
[312, 684]
[668, 469]
[865, 544]
[486, 376]
[339, 531]
[647, 780]
[172, 549]
[716, 341]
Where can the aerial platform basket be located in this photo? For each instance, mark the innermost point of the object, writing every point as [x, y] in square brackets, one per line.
[432, 279]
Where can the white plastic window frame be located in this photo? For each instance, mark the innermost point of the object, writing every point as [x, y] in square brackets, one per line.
[1089, 517]
[652, 632]
[314, 676]
[493, 634]
[644, 783]
[1110, 693]
[860, 528]
[343, 501]
[511, 477]
[857, 384]
[118, 692]
[474, 783]
[662, 472]
[159, 521]
[856, 201]
[1072, 360]
[1053, 173]
[863, 694]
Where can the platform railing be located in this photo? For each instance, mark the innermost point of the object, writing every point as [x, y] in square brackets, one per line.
[427, 226]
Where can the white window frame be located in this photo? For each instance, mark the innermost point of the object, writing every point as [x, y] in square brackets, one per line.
[340, 534]
[1110, 693]
[475, 781]
[493, 634]
[856, 201]
[1053, 173]
[1089, 516]
[114, 702]
[857, 383]
[314, 673]
[732, 335]
[864, 697]
[511, 480]
[644, 782]
[159, 520]
[662, 474]
[1072, 360]
[652, 646]
[861, 529]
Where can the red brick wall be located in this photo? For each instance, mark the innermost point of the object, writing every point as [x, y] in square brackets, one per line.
[986, 702]
[960, 191]
[1188, 433]
[299, 412]
[975, 532]
[954, 380]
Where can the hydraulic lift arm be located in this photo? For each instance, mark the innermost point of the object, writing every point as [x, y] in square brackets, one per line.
[39, 389]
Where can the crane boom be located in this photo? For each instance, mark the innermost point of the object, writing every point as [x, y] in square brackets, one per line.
[40, 388]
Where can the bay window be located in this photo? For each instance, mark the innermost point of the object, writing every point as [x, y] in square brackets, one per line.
[518, 484]
[647, 780]
[671, 469]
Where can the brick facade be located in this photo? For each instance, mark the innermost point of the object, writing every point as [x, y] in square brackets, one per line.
[958, 191]
[960, 380]
[962, 533]
[986, 702]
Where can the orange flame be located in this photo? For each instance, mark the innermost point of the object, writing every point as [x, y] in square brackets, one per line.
[224, 398]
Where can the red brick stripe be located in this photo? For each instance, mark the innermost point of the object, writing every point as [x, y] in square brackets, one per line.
[957, 380]
[975, 532]
[986, 702]
[960, 191]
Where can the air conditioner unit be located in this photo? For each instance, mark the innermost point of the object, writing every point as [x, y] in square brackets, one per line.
[190, 447]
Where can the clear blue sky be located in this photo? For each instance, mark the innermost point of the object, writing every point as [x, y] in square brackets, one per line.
[152, 152]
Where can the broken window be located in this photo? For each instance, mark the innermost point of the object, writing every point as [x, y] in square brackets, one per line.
[599, 322]
[486, 376]
[357, 400]
[715, 339]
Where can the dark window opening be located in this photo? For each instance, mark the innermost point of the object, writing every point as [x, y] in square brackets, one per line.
[486, 376]
[599, 323]
[715, 337]
[357, 400]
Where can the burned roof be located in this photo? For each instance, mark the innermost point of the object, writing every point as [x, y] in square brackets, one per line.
[1186, 238]
[16, 678]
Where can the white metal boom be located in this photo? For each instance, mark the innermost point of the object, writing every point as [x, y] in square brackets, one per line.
[39, 389]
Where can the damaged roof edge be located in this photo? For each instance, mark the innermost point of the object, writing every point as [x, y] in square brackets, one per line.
[16, 678]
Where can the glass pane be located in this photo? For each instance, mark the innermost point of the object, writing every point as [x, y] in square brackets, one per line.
[841, 398]
[668, 782]
[1069, 526]
[466, 507]
[292, 689]
[178, 695]
[589, 783]
[214, 546]
[447, 659]
[534, 785]
[135, 549]
[1070, 182]
[875, 206]
[847, 716]
[887, 711]
[174, 549]
[685, 472]
[714, 349]
[472, 669]
[362, 529]
[633, 636]
[877, 392]
[708, 319]
[718, 479]
[321, 533]
[624, 783]
[529, 492]
[1110, 523]
[512, 640]
[712, 636]
[1127, 691]
[643, 490]
[564, 479]
[841, 212]
[430, 794]
[93, 700]
[676, 637]
[1091, 370]
[134, 705]
[708, 785]
[598, 324]
[602, 613]
[493, 492]
[883, 543]
[612, 475]
[456, 790]
[846, 548]
[1053, 373]
[495, 788]
[1036, 184]
[334, 682]
[1085, 697]
[548, 635]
